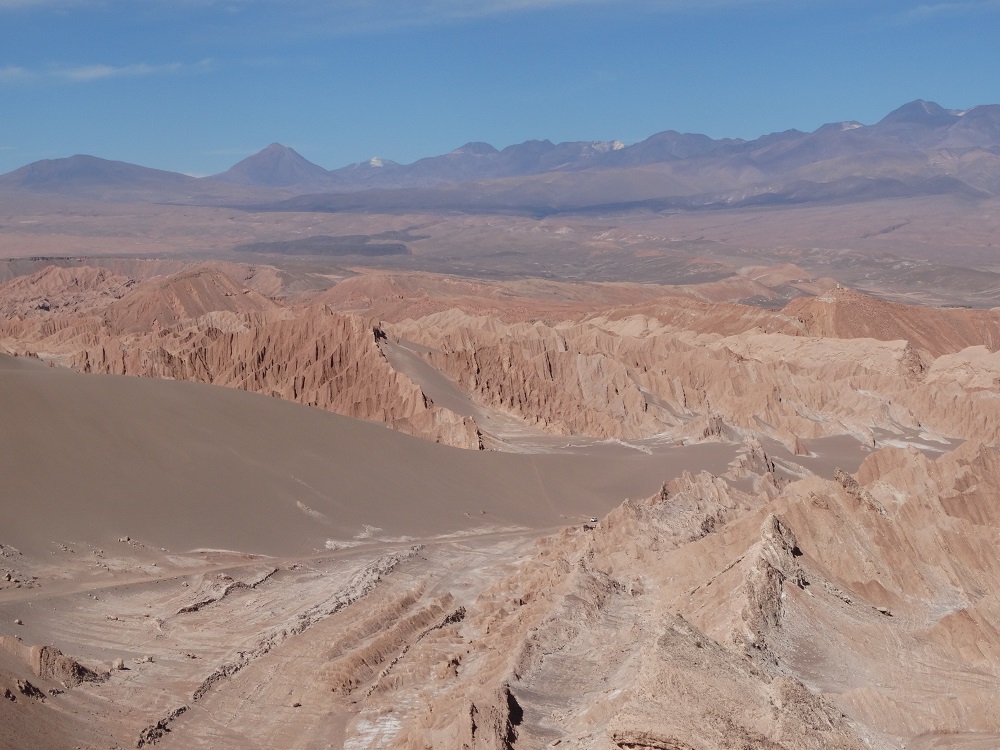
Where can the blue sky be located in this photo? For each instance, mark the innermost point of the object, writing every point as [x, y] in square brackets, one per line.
[196, 85]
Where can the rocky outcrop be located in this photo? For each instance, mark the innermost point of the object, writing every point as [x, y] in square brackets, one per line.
[52, 664]
[362, 583]
[693, 693]
[25, 688]
[770, 563]
[373, 661]
[855, 490]
[155, 732]
[49, 663]
[224, 586]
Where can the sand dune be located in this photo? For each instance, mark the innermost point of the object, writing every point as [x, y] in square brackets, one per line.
[183, 465]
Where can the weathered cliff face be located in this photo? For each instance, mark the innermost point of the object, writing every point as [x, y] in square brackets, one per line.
[584, 379]
[675, 369]
[320, 359]
[203, 326]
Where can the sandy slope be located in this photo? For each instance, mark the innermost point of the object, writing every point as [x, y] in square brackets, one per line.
[183, 465]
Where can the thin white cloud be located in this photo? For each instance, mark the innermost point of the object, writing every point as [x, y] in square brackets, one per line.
[13, 74]
[299, 18]
[391, 10]
[97, 72]
[347, 17]
[20, 4]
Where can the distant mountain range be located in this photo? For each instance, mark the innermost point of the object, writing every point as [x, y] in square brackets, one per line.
[919, 149]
